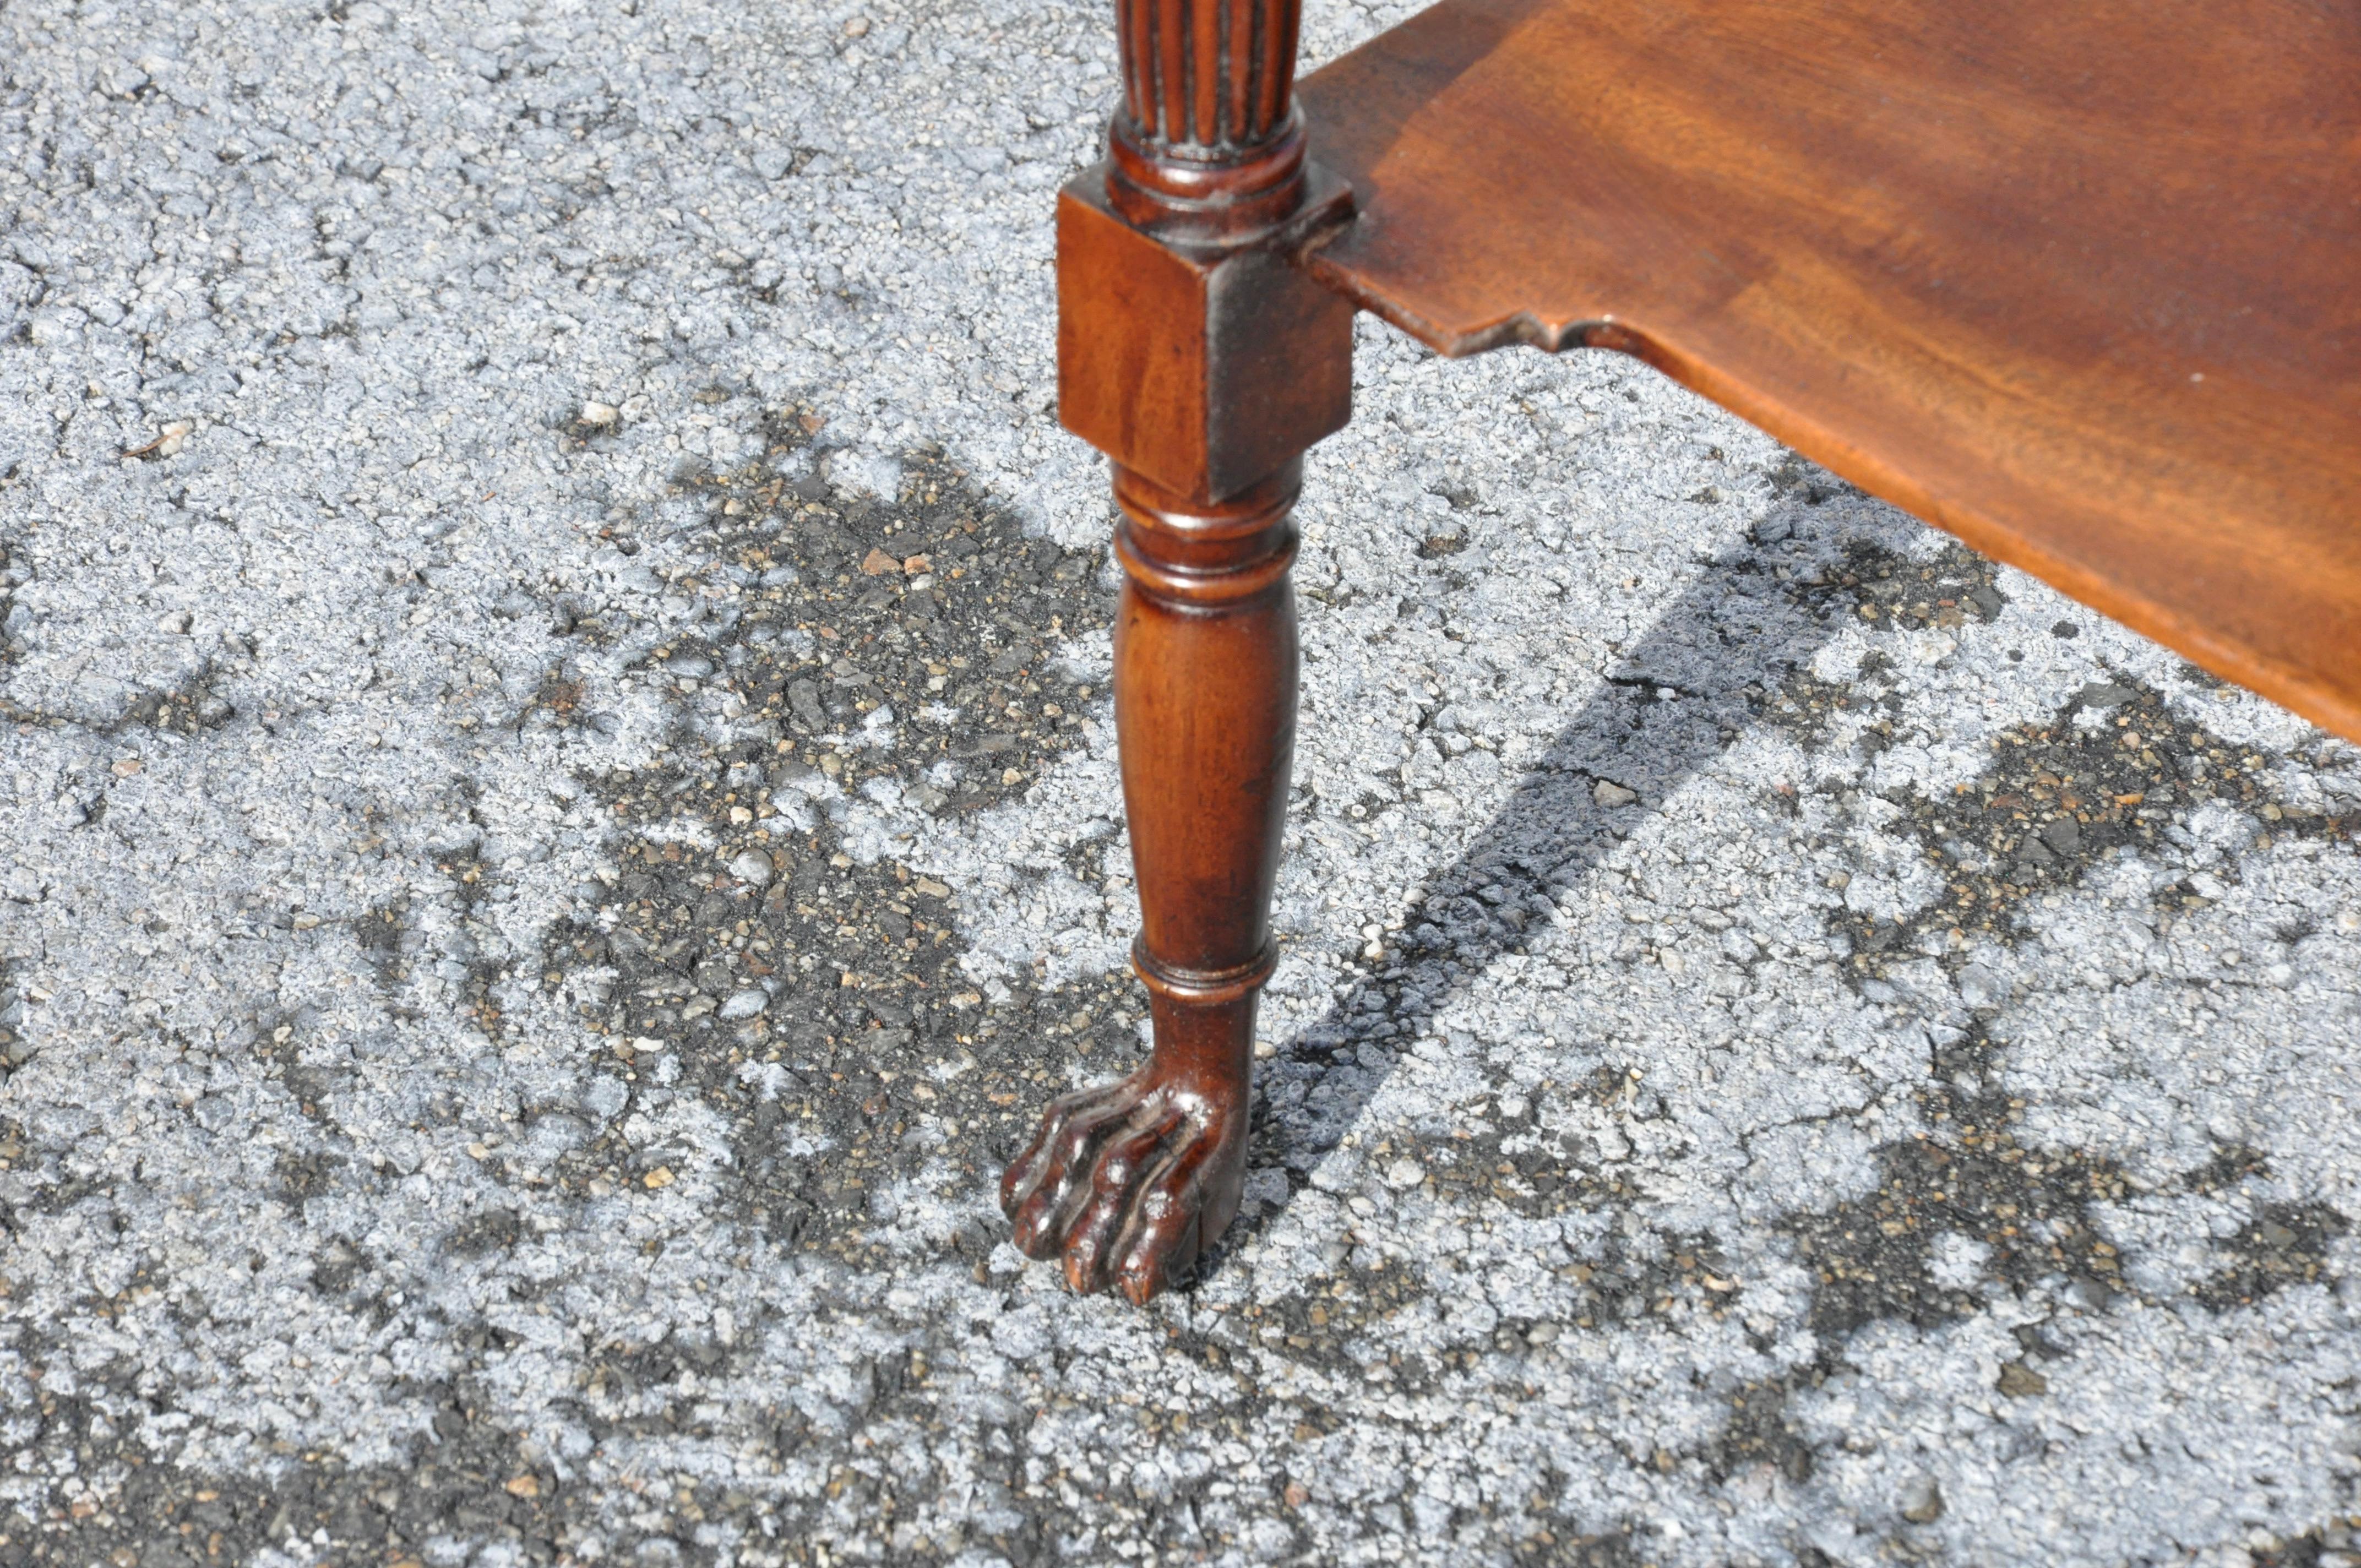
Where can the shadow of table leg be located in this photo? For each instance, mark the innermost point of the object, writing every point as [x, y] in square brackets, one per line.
[1735, 627]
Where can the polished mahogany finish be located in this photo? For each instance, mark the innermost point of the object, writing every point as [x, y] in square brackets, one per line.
[2080, 283]
[1195, 353]
[1201, 365]
[1208, 136]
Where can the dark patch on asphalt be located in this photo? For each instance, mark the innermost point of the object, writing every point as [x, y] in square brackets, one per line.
[1448, 538]
[189, 709]
[308, 1080]
[16, 1045]
[123, 1508]
[2031, 1207]
[1549, 1549]
[559, 697]
[299, 1177]
[2114, 768]
[192, 708]
[12, 639]
[1873, 1255]
[12, 1158]
[386, 940]
[816, 1003]
[2279, 1245]
[486, 1230]
[1798, 479]
[1889, 591]
[1806, 706]
[339, 1266]
[2310, 1549]
[1759, 1432]
[469, 884]
[1886, 591]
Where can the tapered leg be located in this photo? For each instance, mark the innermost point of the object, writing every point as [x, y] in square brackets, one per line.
[1128, 1182]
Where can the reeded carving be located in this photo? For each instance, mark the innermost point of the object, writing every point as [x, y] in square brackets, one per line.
[1208, 80]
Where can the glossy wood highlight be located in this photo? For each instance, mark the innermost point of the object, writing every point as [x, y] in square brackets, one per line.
[2080, 283]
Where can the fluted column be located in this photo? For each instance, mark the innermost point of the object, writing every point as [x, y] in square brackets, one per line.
[1207, 76]
[1208, 131]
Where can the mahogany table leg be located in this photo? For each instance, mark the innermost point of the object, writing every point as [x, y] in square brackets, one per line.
[1195, 353]
[1130, 1181]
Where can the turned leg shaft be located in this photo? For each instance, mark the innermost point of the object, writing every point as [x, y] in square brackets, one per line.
[1130, 1181]
[1205, 674]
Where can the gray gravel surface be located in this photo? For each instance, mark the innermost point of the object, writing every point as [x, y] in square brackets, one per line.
[558, 819]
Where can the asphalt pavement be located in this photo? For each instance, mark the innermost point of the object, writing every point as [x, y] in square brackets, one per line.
[559, 821]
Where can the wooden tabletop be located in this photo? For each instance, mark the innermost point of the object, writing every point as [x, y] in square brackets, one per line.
[2078, 282]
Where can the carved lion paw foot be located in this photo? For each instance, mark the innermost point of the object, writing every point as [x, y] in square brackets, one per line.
[1129, 1181]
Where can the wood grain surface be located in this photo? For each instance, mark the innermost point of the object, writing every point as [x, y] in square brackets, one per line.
[2080, 283]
